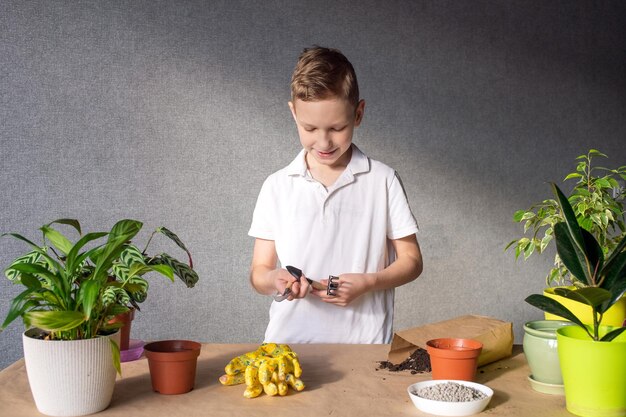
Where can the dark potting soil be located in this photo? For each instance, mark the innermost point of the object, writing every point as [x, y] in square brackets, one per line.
[418, 362]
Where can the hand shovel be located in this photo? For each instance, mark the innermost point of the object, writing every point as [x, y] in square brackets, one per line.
[297, 274]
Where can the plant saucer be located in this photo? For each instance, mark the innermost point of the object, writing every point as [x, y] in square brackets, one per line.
[134, 351]
[545, 388]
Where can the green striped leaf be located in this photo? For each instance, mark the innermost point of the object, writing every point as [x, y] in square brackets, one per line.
[181, 270]
[131, 255]
[176, 240]
[115, 295]
[54, 321]
[31, 257]
[122, 231]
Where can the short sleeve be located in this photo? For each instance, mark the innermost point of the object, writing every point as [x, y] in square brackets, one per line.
[400, 221]
[263, 218]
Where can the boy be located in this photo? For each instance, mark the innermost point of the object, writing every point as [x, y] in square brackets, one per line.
[332, 211]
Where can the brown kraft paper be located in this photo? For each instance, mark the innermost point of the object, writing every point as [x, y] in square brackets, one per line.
[495, 335]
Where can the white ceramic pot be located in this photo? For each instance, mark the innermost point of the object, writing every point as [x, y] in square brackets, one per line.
[70, 378]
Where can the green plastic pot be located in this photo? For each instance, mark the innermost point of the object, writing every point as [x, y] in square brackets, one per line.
[594, 373]
[540, 349]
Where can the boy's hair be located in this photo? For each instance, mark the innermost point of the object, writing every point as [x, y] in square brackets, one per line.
[322, 73]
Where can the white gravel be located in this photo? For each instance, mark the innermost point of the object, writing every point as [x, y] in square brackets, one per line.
[450, 392]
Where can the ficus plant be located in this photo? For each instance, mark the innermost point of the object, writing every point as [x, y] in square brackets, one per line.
[597, 201]
[73, 289]
[604, 275]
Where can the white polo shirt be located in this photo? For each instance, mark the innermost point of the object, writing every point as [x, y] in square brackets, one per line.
[342, 229]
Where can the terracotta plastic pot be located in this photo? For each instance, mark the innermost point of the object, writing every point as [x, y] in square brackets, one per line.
[126, 319]
[454, 358]
[172, 365]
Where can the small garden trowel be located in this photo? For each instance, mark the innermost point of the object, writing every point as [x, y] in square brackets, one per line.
[297, 274]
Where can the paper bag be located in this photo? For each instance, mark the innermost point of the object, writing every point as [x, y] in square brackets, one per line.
[495, 335]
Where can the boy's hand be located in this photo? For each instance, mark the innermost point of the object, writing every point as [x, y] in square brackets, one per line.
[283, 279]
[351, 287]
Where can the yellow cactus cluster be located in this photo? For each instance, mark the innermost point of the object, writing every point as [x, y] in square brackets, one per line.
[272, 369]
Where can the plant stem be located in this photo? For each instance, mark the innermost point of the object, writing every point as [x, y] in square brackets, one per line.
[146, 248]
[596, 324]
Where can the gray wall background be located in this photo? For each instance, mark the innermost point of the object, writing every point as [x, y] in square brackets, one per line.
[174, 112]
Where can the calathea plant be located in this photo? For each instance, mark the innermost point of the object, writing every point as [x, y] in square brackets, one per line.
[597, 202]
[604, 275]
[72, 292]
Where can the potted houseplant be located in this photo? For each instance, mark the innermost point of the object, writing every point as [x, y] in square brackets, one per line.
[597, 202]
[592, 356]
[138, 291]
[71, 292]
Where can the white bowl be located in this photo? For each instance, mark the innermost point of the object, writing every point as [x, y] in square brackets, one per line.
[448, 408]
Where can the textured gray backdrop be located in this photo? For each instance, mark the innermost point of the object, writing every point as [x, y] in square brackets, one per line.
[174, 112]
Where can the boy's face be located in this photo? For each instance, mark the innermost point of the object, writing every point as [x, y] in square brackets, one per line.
[325, 128]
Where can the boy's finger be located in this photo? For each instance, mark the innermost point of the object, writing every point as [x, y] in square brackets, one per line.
[304, 288]
[295, 289]
[318, 293]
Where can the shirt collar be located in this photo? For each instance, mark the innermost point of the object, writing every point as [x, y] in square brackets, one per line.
[358, 164]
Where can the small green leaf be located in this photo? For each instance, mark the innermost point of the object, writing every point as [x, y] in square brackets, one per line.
[57, 239]
[88, 296]
[591, 296]
[54, 280]
[511, 243]
[164, 270]
[544, 242]
[529, 250]
[17, 307]
[573, 175]
[517, 217]
[70, 222]
[30, 281]
[73, 256]
[603, 183]
[115, 351]
[552, 306]
[612, 334]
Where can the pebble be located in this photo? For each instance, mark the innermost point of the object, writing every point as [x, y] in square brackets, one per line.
[450, 392]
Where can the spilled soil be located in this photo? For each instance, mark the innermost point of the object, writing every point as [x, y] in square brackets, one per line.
[417, 363]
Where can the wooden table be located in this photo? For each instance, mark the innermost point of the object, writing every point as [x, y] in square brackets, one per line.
[341, 380]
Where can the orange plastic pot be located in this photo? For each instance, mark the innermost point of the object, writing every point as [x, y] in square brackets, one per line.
[126, 319]
[172, 365]
[454, 358]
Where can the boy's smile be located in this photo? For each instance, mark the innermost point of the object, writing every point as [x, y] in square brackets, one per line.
[325, 128]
